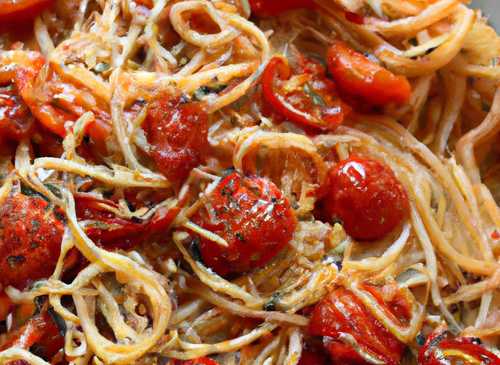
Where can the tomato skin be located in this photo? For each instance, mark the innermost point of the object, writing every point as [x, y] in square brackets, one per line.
[341, 313]
[121, 233]
[178, 133]
[30, 240]
[6, 306]
[434, 351]
[324, 111]
[265, 8]
[198, 361]
[40, 330]
[358, 76]
[367, 197]
[254, 218]
[18, 10]
[16, 121]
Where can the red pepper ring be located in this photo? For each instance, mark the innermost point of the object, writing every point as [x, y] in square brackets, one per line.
[278, 67]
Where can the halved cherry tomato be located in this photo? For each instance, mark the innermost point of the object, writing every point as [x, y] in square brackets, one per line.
[40, 330]
[16, 121]
[178, 133]
[254, 218]
[442, 348]
[358, 76]
[30, 240]
[114, 232]
[16, 10]
[198, 361]
[276, 7]
[367, 197]
[308, 99]
[351, 334]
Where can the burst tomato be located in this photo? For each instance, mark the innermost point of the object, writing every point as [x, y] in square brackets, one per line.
[442, 348]
[254, 218]
[367, 197]
[16, 121]
[113, 232]
[358, 76]
[276, 7]
[198, 361]
[30, 239]
[40, 330]
[351, 333]
[16, 10]
[178, 133]
[305, 97]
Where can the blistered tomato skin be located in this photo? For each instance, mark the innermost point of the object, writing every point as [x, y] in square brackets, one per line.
[341, 317]
[253, 216]
[366, 197]
[358, 76]
[178, 133]
[30, 240]
[276, 7]
[17, 10]
[441, 348]
[16, 121]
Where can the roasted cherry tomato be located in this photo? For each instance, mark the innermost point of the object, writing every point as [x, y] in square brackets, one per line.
[30, 240]
[254, 218]
[308, 99]
[112, 232]
[16, 121]
[357, 76]
[40, 330]
[198, 361]
[276, 7]
[351, 334]
[442, 348]
[367, 197]
[16, 10]
[178, 133]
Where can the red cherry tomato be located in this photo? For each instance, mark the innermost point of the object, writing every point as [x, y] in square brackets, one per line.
[198, 361]
[16, 121]
[351, 332]
[311, 103]
[442, 348]
[360, 77]
[254, 218]
[178, 132]
[40, 330]
[276, 7]
[367, 197]
[30, 240]
[16, 10]
[112, 232]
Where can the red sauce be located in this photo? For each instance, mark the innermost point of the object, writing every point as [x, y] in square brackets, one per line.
[276, 7]
[255, 219]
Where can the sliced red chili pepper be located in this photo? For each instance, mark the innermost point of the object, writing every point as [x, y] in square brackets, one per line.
[442, 348]
[311, 102]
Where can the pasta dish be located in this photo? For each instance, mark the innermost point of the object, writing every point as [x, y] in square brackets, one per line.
[233, 182]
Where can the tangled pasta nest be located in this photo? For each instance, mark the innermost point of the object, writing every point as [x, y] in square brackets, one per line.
[108, 60]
